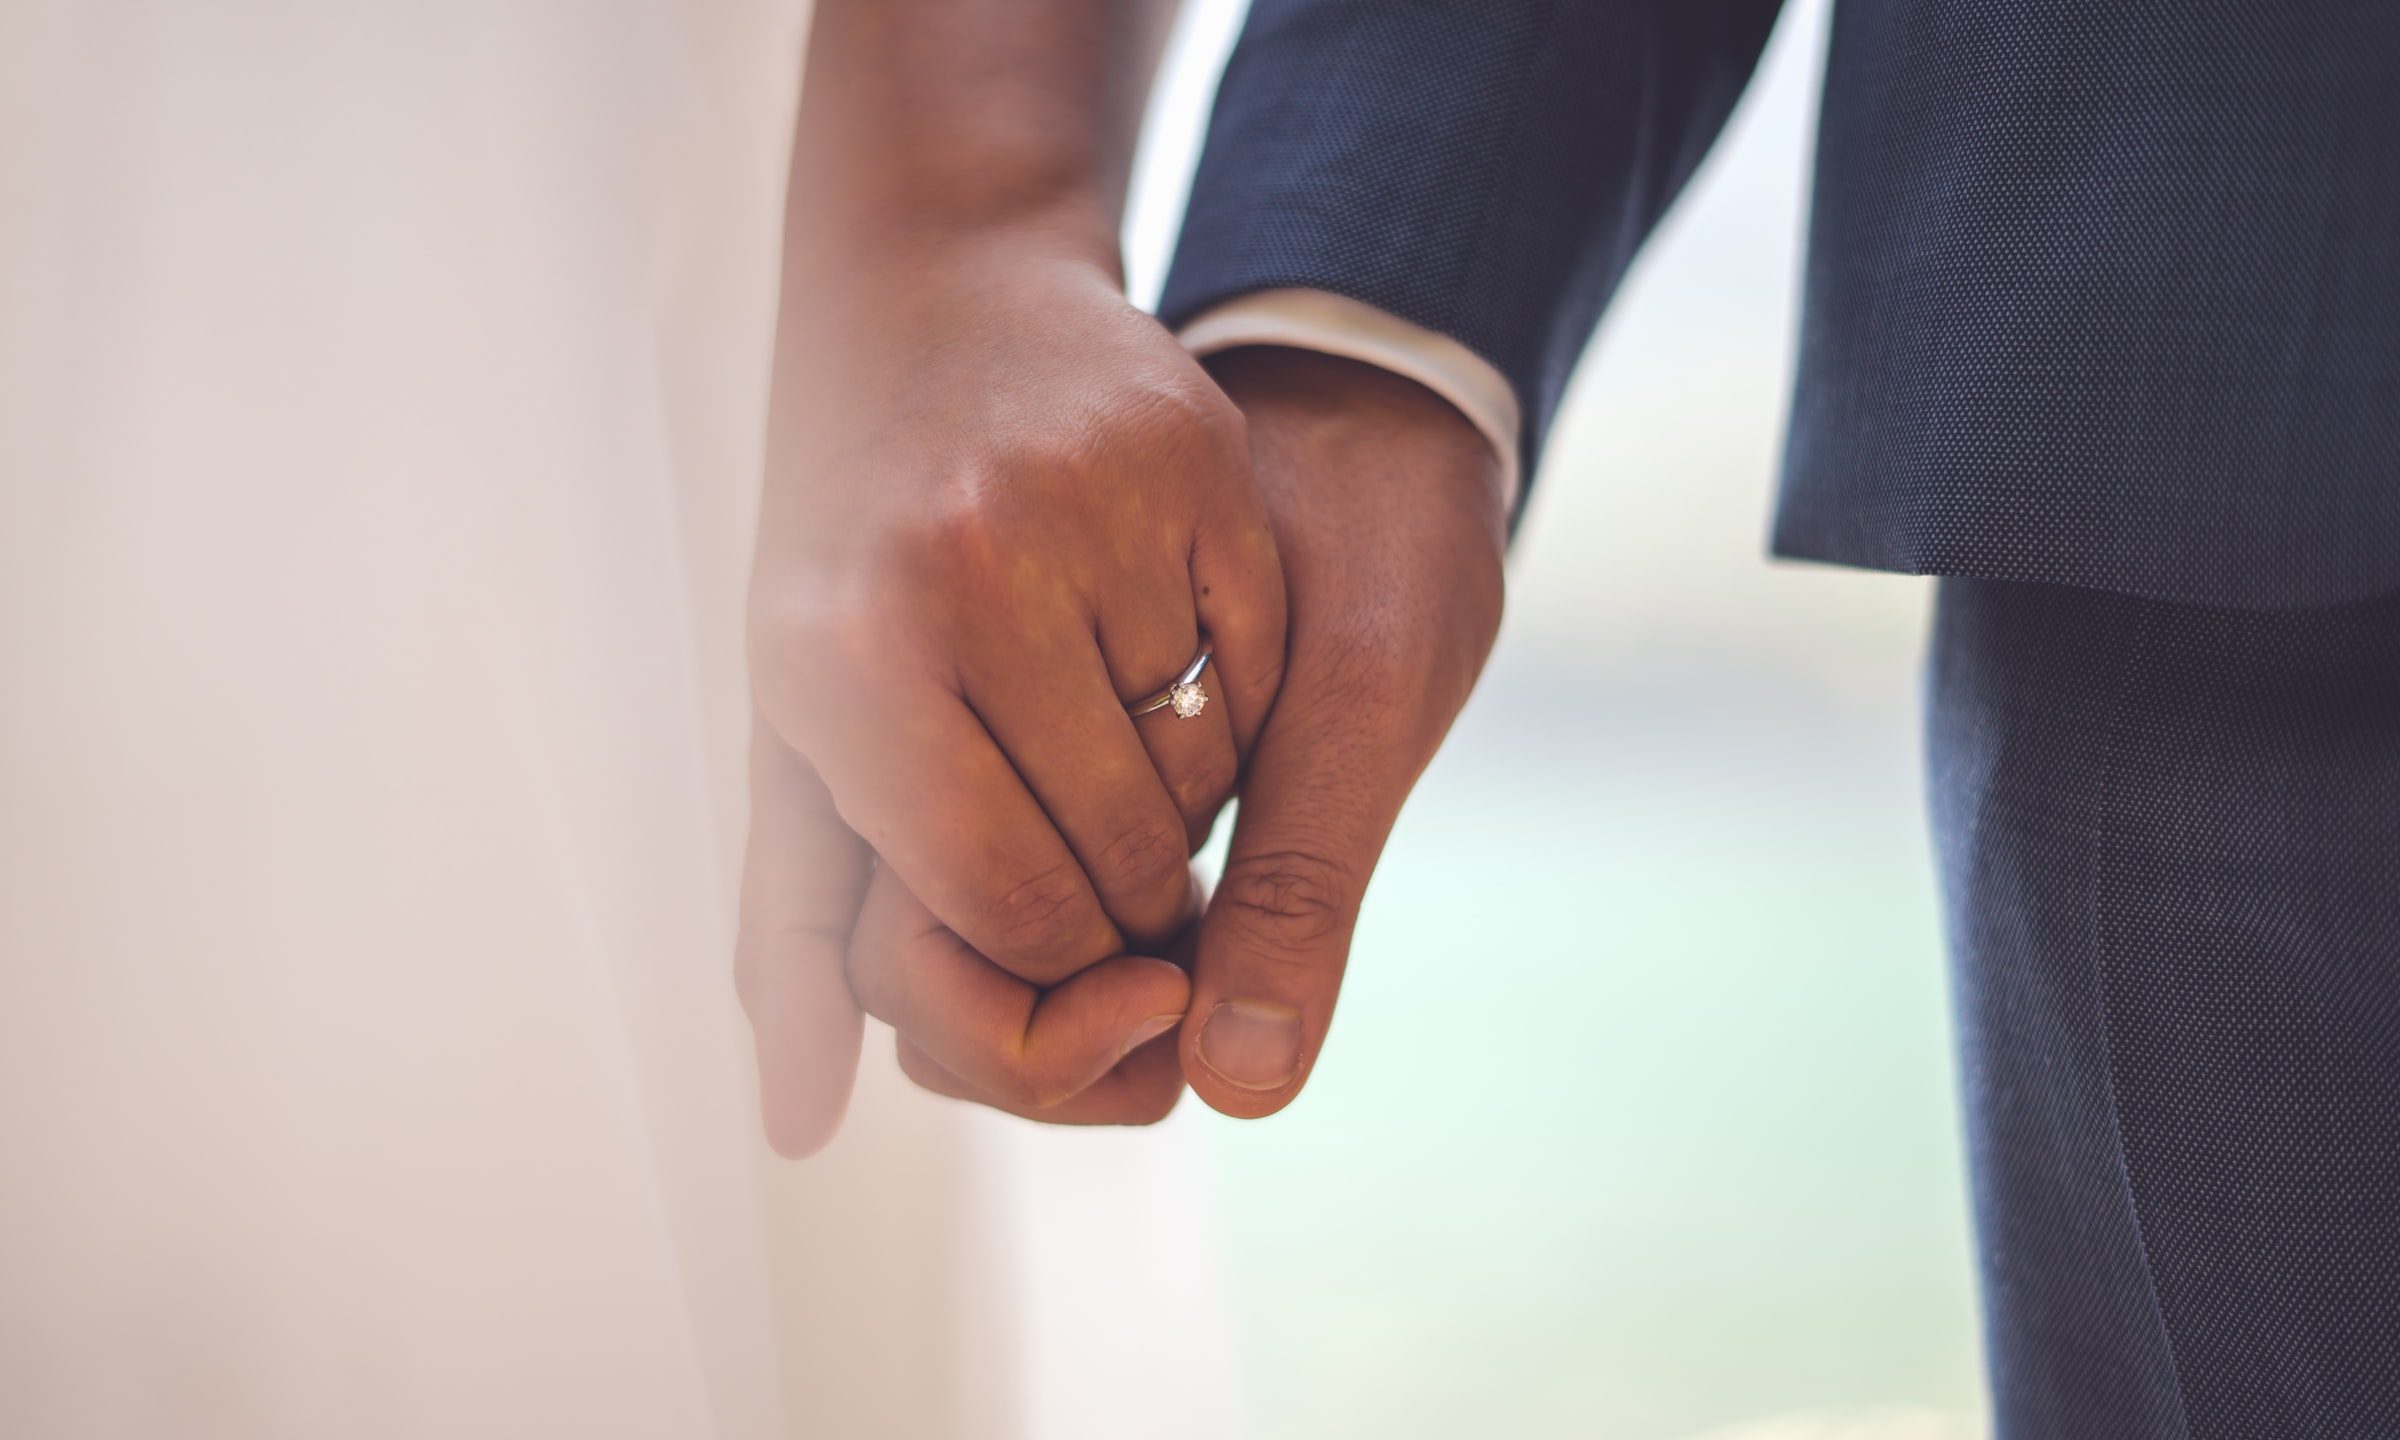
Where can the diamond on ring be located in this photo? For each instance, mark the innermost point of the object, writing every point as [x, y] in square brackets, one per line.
[1183, 693]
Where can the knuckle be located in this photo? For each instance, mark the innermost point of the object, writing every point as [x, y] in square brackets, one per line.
[1201, 791]
[1036, 919]
[1147, 855]
[801, 641]
[1287, 900]
[987, 550]
[966, 520]
[1201, 414]
[1216, 440]
[1183, 419]
[970, 506]
[959, 546]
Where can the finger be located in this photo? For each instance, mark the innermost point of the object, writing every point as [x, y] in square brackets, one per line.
[801, 884]
[1141, 1090]
[1056, 716]
[1192, 750]
[919, 778]
[1196, 757]
[1033, 1049]
[1332, 767]
[1238, 596]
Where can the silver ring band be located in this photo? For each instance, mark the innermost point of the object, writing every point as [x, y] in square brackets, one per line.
[1184, 692]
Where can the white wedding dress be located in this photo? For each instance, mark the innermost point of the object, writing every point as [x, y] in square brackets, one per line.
[380, 392]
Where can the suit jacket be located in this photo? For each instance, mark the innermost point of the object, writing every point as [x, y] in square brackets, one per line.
[2099, 292]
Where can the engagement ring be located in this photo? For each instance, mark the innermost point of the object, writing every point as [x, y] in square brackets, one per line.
[1183, 694]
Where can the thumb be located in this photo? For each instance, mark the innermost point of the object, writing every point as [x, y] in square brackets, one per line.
[802, 881]
[1387, 513]
[1332, 766]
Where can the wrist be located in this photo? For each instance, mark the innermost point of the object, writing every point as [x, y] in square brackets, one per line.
[835, 234]
[922, 121]
[900, 287]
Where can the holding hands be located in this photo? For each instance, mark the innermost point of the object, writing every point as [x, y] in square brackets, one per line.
[1002, 505]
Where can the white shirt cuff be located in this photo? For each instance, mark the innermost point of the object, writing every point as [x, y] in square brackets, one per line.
[1333, 324]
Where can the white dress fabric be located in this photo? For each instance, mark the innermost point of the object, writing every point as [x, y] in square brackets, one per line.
[381, 389]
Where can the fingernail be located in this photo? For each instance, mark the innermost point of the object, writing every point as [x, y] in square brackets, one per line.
[1151, 1029]
[1254, 1044]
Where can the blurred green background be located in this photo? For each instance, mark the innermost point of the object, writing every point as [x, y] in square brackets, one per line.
[1638, 1118]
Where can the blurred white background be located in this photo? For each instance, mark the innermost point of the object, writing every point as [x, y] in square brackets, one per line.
[1637, 1121]
[386, 381]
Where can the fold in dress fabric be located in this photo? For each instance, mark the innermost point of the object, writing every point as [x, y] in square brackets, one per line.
[381, 392]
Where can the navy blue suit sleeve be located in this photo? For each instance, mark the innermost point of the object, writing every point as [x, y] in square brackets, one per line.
[1483, 168]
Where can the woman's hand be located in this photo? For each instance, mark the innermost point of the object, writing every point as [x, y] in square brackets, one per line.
[1001, 504]
[1389, 510]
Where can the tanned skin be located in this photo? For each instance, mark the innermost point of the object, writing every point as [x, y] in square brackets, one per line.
[1001, 503]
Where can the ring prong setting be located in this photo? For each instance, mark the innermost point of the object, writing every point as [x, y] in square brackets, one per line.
[1183, 694]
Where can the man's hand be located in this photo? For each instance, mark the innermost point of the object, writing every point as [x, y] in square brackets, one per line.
[1388, 514]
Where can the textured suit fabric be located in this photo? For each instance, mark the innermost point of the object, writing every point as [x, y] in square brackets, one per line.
[2098, 293]
[1483, 169]
[2170, 837]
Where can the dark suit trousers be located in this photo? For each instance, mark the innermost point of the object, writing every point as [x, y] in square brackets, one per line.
[2170, 845]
